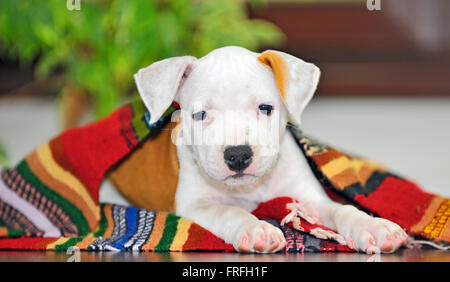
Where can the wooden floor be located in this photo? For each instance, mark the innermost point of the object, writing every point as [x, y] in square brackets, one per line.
[403, 255]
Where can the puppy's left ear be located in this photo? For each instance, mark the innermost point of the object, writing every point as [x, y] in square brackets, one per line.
[158, 84]
[296, 80]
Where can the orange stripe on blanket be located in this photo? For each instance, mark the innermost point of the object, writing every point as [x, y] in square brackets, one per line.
[157, 231]
[89, 212]
[365, 172]
[89, 239]
[45, 157]
[324, 158]
[3, 232]
[428, 215]
[108, 214]
[344, 179]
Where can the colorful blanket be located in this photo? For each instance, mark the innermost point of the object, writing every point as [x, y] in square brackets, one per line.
[49, 201]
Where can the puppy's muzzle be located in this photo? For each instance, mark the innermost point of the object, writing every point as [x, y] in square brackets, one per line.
[238, 158]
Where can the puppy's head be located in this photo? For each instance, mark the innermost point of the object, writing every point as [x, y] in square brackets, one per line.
[234, 106]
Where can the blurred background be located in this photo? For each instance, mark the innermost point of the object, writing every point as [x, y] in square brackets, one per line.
[384, 91]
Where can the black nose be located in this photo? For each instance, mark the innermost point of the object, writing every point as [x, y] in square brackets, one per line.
[238, 158]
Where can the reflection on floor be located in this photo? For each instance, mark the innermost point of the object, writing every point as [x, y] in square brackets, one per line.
[403, 255]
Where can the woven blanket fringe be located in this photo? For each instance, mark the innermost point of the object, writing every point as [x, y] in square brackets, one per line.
[299, 211]
[413, 243]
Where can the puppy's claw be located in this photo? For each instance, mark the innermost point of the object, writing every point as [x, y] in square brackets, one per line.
[372, 249]
[244, 243]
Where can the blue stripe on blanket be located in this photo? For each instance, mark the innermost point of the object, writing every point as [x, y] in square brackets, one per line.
[131, 216]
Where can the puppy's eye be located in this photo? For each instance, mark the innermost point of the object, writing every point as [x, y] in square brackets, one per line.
[199, 116]
[266, 109]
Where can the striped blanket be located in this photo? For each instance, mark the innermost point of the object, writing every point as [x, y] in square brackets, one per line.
[49, 201]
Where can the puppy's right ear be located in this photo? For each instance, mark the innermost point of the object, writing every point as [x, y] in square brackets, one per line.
[158, 83]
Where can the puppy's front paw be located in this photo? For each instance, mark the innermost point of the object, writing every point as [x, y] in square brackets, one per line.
[375, 235]
[260, 237]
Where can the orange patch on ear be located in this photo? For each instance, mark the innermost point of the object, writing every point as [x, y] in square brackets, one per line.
[177, 127]
[274, 61]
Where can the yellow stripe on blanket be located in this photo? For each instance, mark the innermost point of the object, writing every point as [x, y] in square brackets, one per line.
[182, 234]
[336, 166]
[357, 164]
[438, 224]
[60, 241]
[44, 155]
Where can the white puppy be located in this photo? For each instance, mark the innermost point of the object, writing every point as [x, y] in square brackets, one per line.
[234, 152]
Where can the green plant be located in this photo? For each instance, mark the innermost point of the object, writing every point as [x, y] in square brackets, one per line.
[102, 45]
[4, 160]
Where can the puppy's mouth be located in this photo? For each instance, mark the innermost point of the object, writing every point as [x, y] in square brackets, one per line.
[238, 175]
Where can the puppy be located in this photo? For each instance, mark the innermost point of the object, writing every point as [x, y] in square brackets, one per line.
[234, 152]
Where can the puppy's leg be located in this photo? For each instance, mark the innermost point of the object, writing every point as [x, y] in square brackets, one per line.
[361, 231]
[236, 226]
[367, 233]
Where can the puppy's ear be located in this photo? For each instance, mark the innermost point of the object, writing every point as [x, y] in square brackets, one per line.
[158, 83]
[296, 79]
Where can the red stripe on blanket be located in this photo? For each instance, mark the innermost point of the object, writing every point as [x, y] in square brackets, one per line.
[26, 243]
[93, 149]
[196, 234]
[398, 200]
[214, 243]
[275, 208]
[59, 156]
[330, 246]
